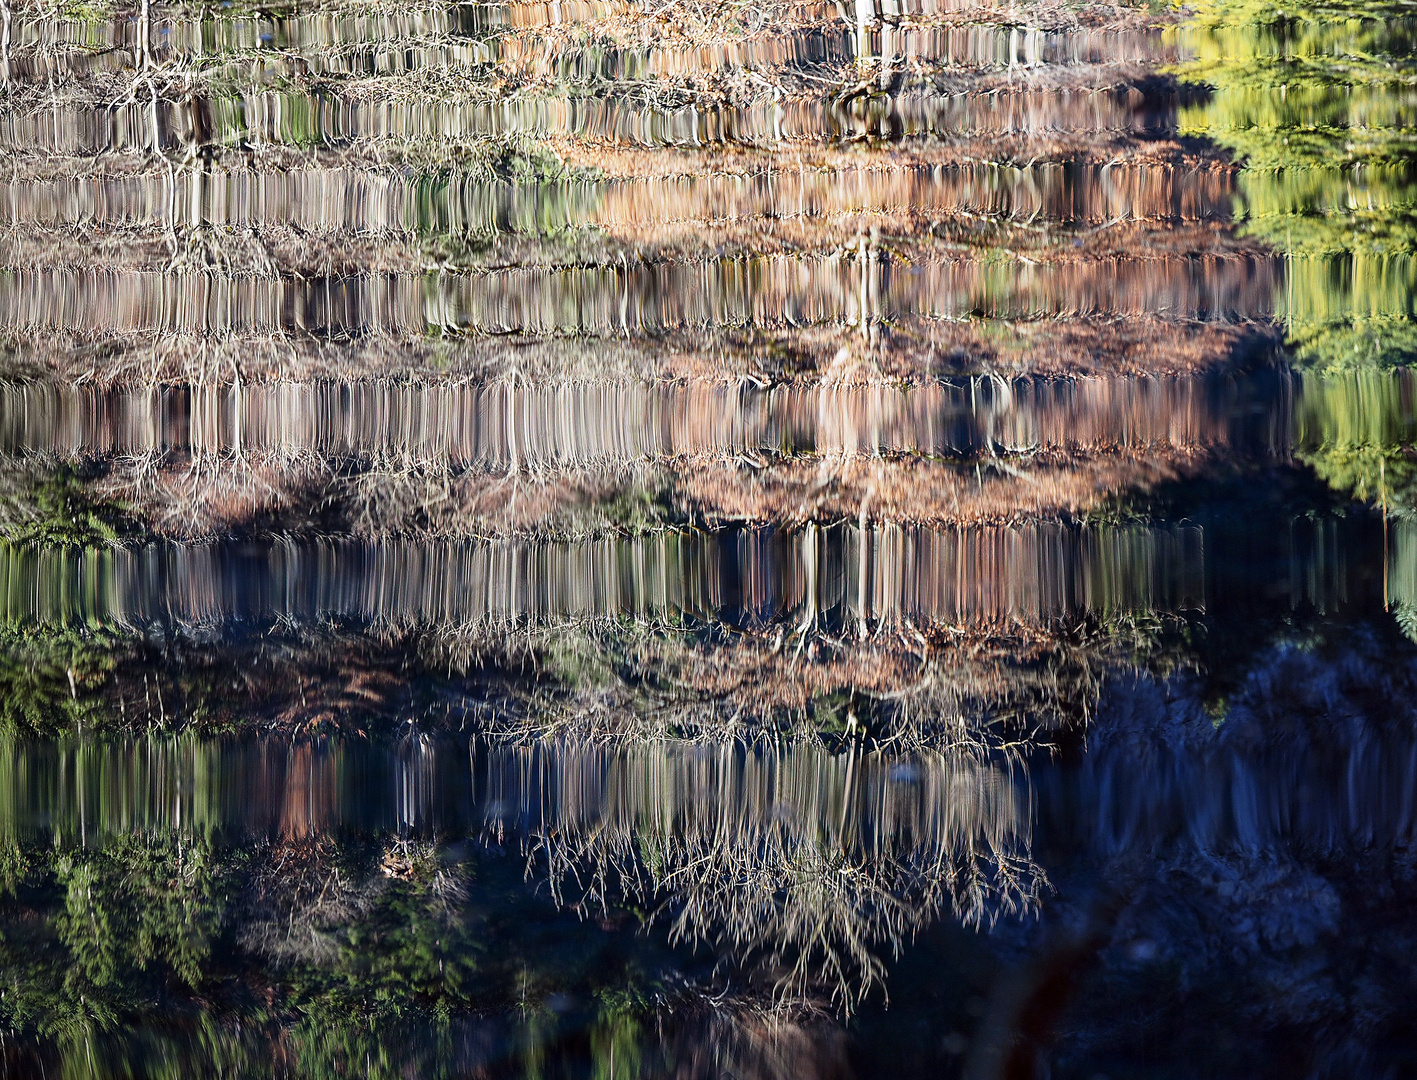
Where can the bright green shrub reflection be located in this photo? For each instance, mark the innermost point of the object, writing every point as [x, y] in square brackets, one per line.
[1319, 102]
[1355, 430]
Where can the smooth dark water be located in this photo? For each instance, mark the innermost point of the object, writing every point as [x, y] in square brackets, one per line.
[632, 539]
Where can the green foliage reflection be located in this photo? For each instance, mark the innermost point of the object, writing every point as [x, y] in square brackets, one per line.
[1319, 102]
[126, 925]
[58, 510]
[162, 950]
[1356, 431]
[51, 678]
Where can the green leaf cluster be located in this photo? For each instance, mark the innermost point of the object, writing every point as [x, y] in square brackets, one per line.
[126, 925]
[59, 510]
[52, 678]
[410, 956]
[135, 956]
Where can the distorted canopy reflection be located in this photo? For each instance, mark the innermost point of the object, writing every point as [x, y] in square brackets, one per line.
[625, 539]
[1316, 100]
[368, 890]
[797, 869]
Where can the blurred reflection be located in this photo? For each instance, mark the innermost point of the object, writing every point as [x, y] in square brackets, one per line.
[835, 577]
[582, 539]
[1317, 101]
[503, 426]
[788, 864]
[754, 291]
[341, 198]
[790, 859]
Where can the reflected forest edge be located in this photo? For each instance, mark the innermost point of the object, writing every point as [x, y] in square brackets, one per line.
[688, 538]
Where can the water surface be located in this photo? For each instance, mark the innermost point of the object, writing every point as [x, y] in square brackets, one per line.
[665, 539]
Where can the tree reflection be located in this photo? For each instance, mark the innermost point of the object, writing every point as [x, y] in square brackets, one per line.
[165, 904]
[1317, 101]
[795, 866]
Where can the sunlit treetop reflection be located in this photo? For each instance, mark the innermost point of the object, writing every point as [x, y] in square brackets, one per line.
[1319, 102]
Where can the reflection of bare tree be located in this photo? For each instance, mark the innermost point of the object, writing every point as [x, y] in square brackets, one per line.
[885, 575]
[5, 41]
[940, 689]
[460, 459]
[798, 865]
[295, 898]
[311, 796]
[437, 427]
[302, 894]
